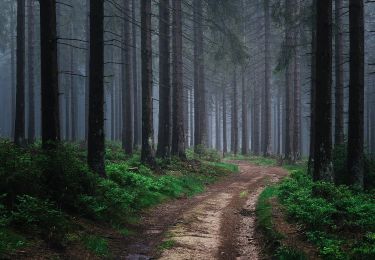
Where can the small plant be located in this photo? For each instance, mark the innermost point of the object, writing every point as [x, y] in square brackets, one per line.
[96, 245]
[167, 244]
[40, 217]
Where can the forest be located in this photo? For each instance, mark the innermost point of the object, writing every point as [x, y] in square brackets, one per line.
[187, 129]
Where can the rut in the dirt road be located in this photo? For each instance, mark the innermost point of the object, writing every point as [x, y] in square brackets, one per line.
[219, 224]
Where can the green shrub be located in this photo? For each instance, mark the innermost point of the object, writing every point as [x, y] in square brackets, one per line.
[20, 172]
[67, 177]
[97, 245]
[40, 217]
[10, 242]
[327, 212]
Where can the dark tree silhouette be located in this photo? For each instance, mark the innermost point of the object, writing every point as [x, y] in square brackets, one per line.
[355, 158]
[95, 156]
[147, 155]
[178, 132]
[127, 91]
[19, 129]
[31, 71]
[164, 134]
[323, 169]
[49, 75]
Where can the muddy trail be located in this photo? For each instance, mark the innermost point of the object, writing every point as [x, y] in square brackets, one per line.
[218, 224]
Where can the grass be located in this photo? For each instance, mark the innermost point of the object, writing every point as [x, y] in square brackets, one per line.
[262, 161]
[167, 244]
[224, 165]
[96, 245]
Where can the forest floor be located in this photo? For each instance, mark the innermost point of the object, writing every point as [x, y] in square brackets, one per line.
[218, 224]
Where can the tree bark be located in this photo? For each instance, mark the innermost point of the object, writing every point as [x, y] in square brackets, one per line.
[178, 131]
[31, 78]
[49, 75]
[339, 66]
[12, 72]
[147, 155]
[235, 115]
[217, 122]
[73, 92]
[96, 144]
[225, 142]
[267, 103]
[323, 169]
[200, 132]
[245, 133]
[87, 64]
[355, 158]
[289, 97]
[19, 134]
[164, 140]
[127, 91]
[137, 118]
[312, 89]
[297, 89]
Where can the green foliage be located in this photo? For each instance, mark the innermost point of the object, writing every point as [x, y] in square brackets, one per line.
[38, 187]
[264, 215]
[202, 153]
[328, 212]
[286, 253]
[10, 241]
[340, 165]
[228, 166]
[167, 244]
[40, 217]
[262, 161]
[97, 245]
[20, 171]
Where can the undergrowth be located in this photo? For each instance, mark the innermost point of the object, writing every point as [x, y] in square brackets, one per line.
[41, 193]
[338, 220]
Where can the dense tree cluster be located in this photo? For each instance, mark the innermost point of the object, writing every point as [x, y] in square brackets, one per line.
[264, 77]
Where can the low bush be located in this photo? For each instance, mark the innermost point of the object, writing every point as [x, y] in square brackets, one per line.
[329, 213]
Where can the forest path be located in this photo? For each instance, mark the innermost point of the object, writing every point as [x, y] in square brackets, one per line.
[218, 224]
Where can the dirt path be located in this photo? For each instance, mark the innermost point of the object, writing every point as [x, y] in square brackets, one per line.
[218, 224]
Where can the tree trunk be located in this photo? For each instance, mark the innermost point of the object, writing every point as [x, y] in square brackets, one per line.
[200, 132]
[339, 66]
[178, 131]
[256, 120]
[289, 97]
[19, 134]
[12, 71]
[312, 89]
[217, 122]
[49, 75]
[245, 133]
[147, 155]
[73, 92]
[164, 141]
[87, 64]
[137, 119]
[235, 115]
[267, 102]
[96, 146]
[356, 94]
[323, 169]
[297, 90]
[127, 91]
[31, 79]
[225, 142]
